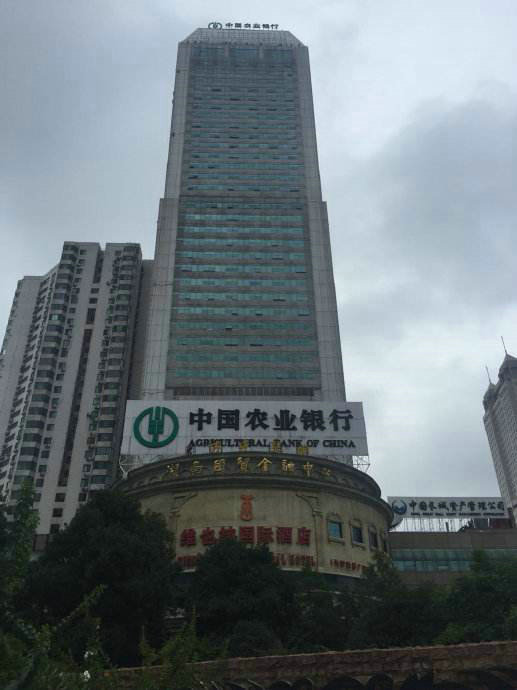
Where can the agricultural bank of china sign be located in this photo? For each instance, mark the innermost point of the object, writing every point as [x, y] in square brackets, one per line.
[176, 427]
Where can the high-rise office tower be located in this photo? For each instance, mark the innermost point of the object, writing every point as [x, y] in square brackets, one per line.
[64, 377]
[500, 419]
[243, 302]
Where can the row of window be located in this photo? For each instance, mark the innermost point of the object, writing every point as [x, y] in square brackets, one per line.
[274, 357]
[237, 110]
[296, 283]
[266, 135]
[243, 341]
[203, 93]
[239, 268]
[243, 296]
[216, 100]
[229, 204]
[243, 373]
[199, 145]
[247, 90]
[251, 177]
[257, 122]
[244, 217]
[241, 188]
[246, 165]
[336, 532]
[217, 71]
[211, 51]
[230, 254]
[226, 326]
[245, 229]
[242, 311]
[238, 113]
[223, 157]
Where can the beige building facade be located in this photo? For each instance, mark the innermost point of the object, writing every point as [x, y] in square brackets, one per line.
[309, 511]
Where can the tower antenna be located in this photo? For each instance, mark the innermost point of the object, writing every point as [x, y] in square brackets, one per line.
[488, 374]
[505, 350]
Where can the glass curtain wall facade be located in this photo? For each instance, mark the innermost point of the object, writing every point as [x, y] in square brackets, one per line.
[243, 301]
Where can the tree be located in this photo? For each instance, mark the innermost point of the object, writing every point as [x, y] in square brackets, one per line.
[16, 537]
[235, 583]
[386, 613]
[323, 615]
[108, 543]
[482, 605]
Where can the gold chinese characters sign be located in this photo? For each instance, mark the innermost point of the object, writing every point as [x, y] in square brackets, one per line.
[241, 464]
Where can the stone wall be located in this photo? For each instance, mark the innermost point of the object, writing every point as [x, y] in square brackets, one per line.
[487, 666]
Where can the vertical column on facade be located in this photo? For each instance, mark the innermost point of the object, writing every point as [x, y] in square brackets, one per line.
[332, 382]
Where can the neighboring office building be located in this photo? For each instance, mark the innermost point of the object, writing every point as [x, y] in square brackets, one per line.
[433, 537]
[440, 557]
[500, 419]
[64, 378]
[243, 302]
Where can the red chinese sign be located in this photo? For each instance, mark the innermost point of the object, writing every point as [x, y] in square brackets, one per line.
[247, 534]
[246, 507]
[347, 565]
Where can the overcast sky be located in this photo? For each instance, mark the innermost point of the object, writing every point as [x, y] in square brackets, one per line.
[416, 111]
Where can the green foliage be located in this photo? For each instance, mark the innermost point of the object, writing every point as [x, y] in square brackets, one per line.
[99, 596]
[482, 604]
[13, 654]
[322, 616]
[384, 612]
[172, 666]
[236, 583]
[253, 638]
[109, 543]
[16, 543]
[16, 537]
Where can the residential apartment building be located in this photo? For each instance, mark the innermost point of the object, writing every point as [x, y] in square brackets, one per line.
[65, 366]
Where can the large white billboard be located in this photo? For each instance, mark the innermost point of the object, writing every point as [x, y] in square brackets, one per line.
[176, 427]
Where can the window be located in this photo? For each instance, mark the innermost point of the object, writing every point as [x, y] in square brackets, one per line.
[334, 529]
[357, 534]
[60, 498]
[373, 539]
[57, 512]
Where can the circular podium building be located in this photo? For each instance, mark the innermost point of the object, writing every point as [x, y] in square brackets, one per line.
[309, 511]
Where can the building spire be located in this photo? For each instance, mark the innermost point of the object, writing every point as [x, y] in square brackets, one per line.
[488, 374]
[504, 346]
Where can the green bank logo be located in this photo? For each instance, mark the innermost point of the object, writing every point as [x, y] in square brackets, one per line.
[152, 422]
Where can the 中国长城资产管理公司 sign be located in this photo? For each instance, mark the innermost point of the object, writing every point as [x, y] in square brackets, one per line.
[446, 507]
[178, 426]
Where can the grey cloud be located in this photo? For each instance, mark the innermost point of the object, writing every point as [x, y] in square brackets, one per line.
[425, 250]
